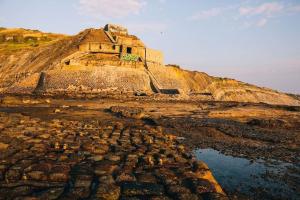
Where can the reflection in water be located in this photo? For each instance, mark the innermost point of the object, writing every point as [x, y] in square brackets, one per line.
[256, 179]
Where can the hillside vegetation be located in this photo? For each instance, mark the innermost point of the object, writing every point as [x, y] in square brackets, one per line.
[17, 39]
[20, 57]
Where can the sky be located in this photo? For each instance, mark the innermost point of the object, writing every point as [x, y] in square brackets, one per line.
[255, 41]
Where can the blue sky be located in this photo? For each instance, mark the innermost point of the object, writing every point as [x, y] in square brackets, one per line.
[256, 41]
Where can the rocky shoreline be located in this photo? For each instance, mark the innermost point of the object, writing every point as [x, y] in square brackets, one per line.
[59, 157]
[126, 149]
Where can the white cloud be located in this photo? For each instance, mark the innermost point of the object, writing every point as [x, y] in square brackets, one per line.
[213, 12]
[262, 22]
[263, 13]
[111, 8]
[206, 14]
[153, 27]
[263, 9]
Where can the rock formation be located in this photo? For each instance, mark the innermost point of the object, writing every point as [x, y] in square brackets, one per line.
[112, 61]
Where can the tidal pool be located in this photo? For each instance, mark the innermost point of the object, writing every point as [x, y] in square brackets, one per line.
[254, 179]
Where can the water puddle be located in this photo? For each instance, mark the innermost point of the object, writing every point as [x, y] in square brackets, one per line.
[255, 179]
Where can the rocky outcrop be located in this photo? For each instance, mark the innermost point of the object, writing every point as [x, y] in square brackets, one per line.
[232, 90]
[32, 60]
[174, 77]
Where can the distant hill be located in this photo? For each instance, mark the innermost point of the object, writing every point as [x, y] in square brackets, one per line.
[17, 38]
[31, 59]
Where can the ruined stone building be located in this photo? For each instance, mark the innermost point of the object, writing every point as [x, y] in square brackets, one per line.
[107, 59]
[113, 39]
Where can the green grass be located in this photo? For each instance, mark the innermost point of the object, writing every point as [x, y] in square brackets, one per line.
[9, 47]
[130, 57]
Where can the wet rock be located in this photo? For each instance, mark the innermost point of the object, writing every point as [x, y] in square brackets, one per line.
[103, 168]
[132, 157]
[176, 189]
[149, 160]
[3, 146]
[107, 179]
[97, 158]
[200, 165]
[65, 146]
[167, 176]
[108, 191]
[268, 123]
[159, 198]
[51, 194]
[2, 172]
[114, 158]
[11, 100]
[203, 186]
[35, 140]
[83, 181]
[189, 196]
[136, 189]
[180, 159]
[58, 177]
[147, 178]
[63, 158]
[180, 148]
[5, 192]
[125, 177]
[45, 167]
[131, 112]
[29, 197]
[129, 166]
[13, 174]
[36, 175]
[21, 191]
[214, 196]
[57, 110]
[79, 193]
[101, 150]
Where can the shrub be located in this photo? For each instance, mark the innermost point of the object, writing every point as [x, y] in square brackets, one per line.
[130, 57]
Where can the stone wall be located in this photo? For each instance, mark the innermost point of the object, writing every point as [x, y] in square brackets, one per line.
[27, 85]
[232, 90]
[166, 77]
[129, 41]
[116, 28]
[94, 64]
[98, 47]
[104, 78]
[174, 78]
[154, 56]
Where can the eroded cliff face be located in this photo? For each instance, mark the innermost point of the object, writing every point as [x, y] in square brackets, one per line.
[199, 84]
[232, 90]
[64, 68]
[20, 59]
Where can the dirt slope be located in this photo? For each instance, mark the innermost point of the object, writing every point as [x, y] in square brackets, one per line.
[21, 59]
